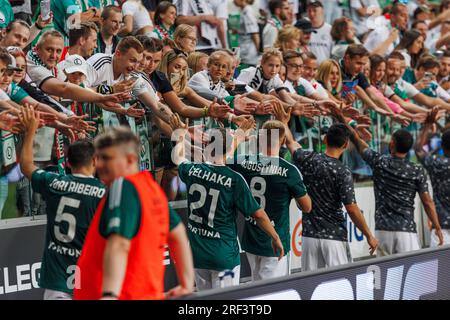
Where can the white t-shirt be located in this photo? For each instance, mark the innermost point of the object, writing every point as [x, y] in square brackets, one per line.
[207, 35]
[320, 89]
[202, 81]
[249, 25]
[321, 43]
[141, 17]
[309, 90]
[4, 96]
[37, 72]
[408, 88]
[269, 36]
[361, 22]
[100, 71]
[254, 77]
[441, 93]
[378, 36]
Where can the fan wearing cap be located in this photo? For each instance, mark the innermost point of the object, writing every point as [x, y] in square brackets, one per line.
[321, 42]
[75, 68]
[279, 10]
[307, 29]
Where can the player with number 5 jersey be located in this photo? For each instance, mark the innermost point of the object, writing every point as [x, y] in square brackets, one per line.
[215, 195]
[71, 201]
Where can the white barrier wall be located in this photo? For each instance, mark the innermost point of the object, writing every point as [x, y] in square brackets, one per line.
[366, 200]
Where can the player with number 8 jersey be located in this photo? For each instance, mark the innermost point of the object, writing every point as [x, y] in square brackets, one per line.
[71, 201]
[273, 182]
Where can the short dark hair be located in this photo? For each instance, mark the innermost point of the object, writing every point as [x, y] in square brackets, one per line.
[446, 140]
[11, 25]
[5, 57]
[108, 10]
[84, 30]
[309, 55]
[428, 63]
[128, 43]
[291, 54]
[415, 23]
[446, 54]
[356, 50]
[403, 140]
[150, 44]
[396, 8]
[80, 153]
[396, 55]
[338, 135]
[275, 4]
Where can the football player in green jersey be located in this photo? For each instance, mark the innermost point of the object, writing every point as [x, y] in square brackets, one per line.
[215, 195]
[71, 202]
[273, 182]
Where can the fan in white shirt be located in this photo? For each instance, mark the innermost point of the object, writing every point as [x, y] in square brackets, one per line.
[109, 70]
[321, 42]
[136, 19]
[385, 37]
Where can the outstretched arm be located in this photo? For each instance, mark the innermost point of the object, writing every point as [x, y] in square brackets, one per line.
[30, 121]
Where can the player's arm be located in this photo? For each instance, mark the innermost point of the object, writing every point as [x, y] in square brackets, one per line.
[180, 130]
[358, 219]
[359, 143]
[263, 222]
[304, 203]
[283, 115]
[430, 210]
[241, 134]
[184, 265]
[423, 135]
[30, 121]
[115, 261]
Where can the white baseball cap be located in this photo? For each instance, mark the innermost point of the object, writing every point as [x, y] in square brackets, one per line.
[75, 63]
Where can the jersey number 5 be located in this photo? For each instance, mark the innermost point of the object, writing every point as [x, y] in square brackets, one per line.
[67, 217]
[201, 202]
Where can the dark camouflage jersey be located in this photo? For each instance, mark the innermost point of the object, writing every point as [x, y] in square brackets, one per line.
[396, 181]
[438, 167]
[329, 184]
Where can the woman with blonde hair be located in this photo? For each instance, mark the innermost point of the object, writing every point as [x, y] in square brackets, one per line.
[330, 77]
[185, 37]
[288, 39]
[197, 61]
[174, 65]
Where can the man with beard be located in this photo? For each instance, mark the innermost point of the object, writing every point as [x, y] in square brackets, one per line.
[395, 66]
[279, 10]
[110, 22]
[383, 39]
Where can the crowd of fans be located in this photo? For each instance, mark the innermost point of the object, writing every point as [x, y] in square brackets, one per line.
[218, 64]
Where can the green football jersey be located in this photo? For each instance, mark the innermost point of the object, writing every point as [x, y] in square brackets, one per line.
[62, 10]
[273, 182]
[71, 202]
[215, 194]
